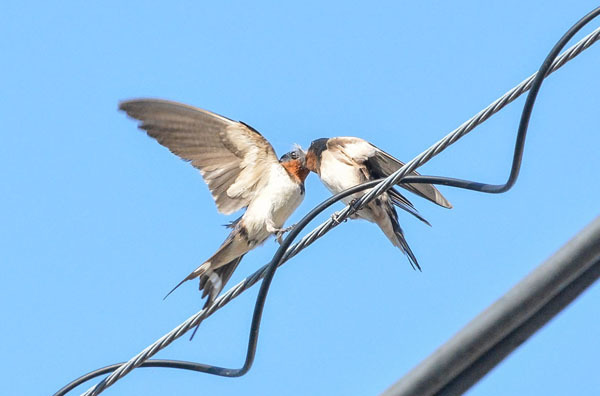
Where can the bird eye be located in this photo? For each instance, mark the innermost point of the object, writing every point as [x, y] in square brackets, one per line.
[294, 155]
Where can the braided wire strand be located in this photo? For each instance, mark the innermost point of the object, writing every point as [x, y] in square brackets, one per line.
[342, 215]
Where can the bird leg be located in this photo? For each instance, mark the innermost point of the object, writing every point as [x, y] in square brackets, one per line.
[278, 232]
[353, 208]
[281, 232]
[335, 217]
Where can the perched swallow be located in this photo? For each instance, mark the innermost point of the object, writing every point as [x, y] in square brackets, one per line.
[241, 170]
[343, 162]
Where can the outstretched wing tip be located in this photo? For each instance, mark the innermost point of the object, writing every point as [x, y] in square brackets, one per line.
[384, 164]
[443, 202]
[126, 104]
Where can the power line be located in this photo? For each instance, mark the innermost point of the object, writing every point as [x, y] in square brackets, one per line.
[506, 324]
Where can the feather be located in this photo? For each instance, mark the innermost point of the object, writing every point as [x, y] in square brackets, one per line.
[227, 153]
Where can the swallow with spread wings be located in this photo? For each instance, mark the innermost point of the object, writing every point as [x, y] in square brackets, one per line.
[343, 162]
[241, 170]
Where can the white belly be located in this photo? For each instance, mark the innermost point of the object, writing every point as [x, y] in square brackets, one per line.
[275, 202]
[338, 176]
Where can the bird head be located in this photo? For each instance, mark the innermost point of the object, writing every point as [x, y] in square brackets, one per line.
[313, 155]
[297, 154]
[295, 163]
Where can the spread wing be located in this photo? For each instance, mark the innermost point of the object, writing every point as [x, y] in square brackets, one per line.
[381, 164]
[233, 158]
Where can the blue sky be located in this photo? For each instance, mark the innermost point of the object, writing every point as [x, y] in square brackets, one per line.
[99, 221]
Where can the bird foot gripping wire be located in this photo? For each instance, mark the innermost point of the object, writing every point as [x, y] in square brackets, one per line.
[354, 206]
[335, 217]
[280, 232]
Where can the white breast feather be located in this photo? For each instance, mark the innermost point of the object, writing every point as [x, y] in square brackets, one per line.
[338, 174]
[276, 201]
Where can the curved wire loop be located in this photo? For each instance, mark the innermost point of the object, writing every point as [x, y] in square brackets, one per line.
[285, 251]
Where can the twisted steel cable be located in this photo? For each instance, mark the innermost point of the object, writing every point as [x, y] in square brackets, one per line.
[284, 253]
